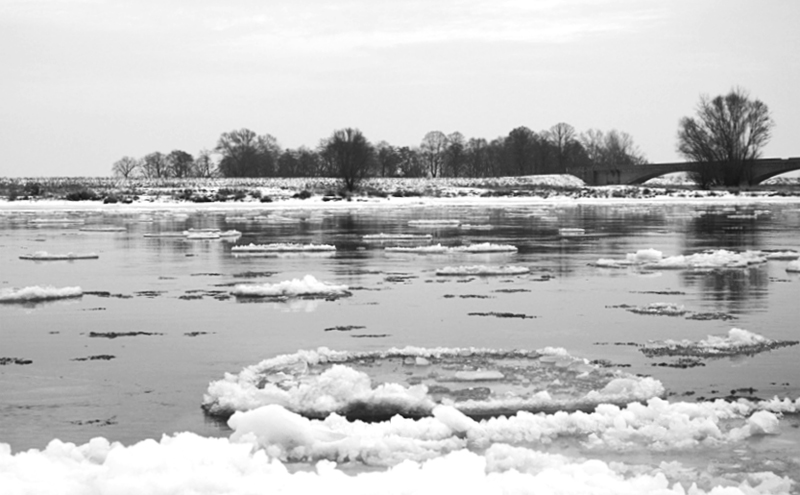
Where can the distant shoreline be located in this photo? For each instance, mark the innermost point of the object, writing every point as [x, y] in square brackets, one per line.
[274, 193]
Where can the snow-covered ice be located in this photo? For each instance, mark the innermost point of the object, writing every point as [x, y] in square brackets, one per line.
[482, 270]
[37, 293]
[45, 256]
[793, 266]
[737, 342]
[484, 247]
[320, 382]
[282, 248]
[653, 259]
[308, 286]
[396, 237]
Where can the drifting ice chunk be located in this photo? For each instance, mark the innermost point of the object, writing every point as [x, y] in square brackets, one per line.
[308, 286]
[571, 232]
[481, 270]
[36, 293]
[45, 256]
[484, 247]
[370, 385]
[737, 342]
[653, 259]
[793, 267]
[282, 248]
[397, 237]
[434, 223]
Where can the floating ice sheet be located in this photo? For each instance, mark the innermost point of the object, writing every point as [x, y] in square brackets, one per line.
[714, 259]
[45, 256]
[283, 248]
[736, 342]
[188, 463]
[485, 247]
[482, 270]
[37, 293]
[308, 286]
[412, 381]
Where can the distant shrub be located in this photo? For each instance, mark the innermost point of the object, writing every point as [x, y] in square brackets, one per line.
[266, 199]
[82, 195]
[304, 194]
[256, 193]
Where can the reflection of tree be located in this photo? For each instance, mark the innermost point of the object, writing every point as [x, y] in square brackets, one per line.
[717, 231]
[735, 291]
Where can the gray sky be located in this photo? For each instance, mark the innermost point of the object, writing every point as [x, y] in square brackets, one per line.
[85, 82]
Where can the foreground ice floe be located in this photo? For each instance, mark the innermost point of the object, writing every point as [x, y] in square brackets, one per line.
[282, 248]
[484, 247]
[308, 286]
[445, 451]
[793, 266]
[715, 259]
[45, 256]
[736, 342]
[482, 270]
[37, 293]
[411, 381]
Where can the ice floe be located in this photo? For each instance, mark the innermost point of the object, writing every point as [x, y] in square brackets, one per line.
[482, 270]
[37, 293]
[45, 256]
[793, 266]
[434, 223]
[382, 384]
[189, 463]
[484, 247]
[102, 228]
[397, 237]
[308, 286]
[283, 248]
[713, 259]
[736, 342]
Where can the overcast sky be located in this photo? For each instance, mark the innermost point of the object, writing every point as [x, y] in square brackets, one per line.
[85, 82]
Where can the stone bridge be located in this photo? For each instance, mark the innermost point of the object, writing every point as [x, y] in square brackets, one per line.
[761, 170]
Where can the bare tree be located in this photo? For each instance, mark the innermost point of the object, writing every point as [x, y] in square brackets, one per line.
[155, 166]
[126, 166]
[561, 136]
[727, 134]
[204, 165]
[180, 163]
[351, 155]
[520, 146]
[432, 148]
[455, 154]
[246, 154]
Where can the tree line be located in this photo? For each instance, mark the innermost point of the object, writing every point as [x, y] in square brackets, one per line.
[727, 134]
[347, 154]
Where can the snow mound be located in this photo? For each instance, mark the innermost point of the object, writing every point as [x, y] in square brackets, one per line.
[481, 270]
[37, 293]
[485, 247]
[45, 256]
[411, 381]
[308, 286]
[283, 248]
[737, 342]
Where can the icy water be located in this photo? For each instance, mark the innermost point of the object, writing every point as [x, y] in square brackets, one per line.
[173, 297]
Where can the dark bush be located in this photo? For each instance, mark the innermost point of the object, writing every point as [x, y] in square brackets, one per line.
[304, 194]
[82, 195]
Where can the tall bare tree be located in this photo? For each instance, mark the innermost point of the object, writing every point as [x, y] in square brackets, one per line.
[727, 134]
[351, 155]
[180, 163]
[432, 148]
[246, 154]
[155, 166]
[126, 166]
[204, 165]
